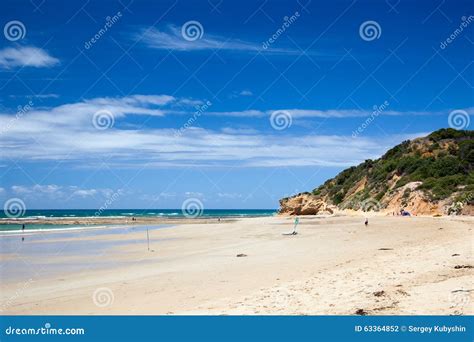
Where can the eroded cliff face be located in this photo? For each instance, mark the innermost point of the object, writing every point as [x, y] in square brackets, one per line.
[405, 198]
[305, 204]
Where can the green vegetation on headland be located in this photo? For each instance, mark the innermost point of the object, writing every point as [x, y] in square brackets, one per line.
[442, 163]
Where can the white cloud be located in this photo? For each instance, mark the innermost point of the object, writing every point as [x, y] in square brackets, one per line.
[245, 93]
[26, 56]
[80, 115]
[172, 39]
[47, 189]
[66, 133]
[18, 189]
[237, 94]
[232, 130]
[229, 195]
[165, 196]
[45, 96]
[51, 191]
[194, 194]
[244, 113]
[85, 193]
[37, 96]
[313, 113]
[54, 191]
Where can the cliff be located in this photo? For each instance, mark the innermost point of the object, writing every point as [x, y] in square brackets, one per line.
[433, 175]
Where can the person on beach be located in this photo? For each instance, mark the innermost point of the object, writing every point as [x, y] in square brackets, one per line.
[297, 220]
[366, 222]
[294, 232]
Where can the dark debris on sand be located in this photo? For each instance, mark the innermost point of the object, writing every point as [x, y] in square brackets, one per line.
[361, 312]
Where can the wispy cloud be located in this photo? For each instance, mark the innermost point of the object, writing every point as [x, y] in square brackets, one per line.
[53, 191]
[246, 93]
[236, 94]
[80, 114]
[227, 195]
[44, 96]
[234, 130]
[36, 96]
[66, 133]
[26, 56]
[314, 113]
[172, 39]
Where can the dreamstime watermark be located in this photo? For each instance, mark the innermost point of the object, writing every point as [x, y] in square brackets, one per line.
[465, 22]
[20, 289]
[457, 207]
[287, 22]
[108, 202]
[21, 110]
[14, 30]
[375, 113]
[14, 208]
[103, 297]
[468, 198]
[459, 119]
[103, 119]
[109, 22]
[192, 30]
[200, 109]
[46, 330]
[192, 208]
[370, 204]
[370, 30]
[281, 119]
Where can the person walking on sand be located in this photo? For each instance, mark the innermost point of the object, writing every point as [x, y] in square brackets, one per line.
[366, 222]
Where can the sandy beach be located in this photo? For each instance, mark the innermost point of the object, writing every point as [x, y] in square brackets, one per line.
[335, 266]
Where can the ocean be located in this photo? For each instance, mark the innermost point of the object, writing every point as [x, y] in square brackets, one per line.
[50, 214]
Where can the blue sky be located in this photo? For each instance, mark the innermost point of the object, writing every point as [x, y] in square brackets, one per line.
[237, 104]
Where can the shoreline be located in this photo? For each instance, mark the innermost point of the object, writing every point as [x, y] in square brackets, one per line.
[136, 220]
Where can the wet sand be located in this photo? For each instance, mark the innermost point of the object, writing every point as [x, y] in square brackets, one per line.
[336, 265]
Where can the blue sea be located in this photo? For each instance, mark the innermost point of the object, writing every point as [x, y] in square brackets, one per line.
[50, 214]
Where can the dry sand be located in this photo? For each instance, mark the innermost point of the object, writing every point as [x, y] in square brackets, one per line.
[336, 265]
